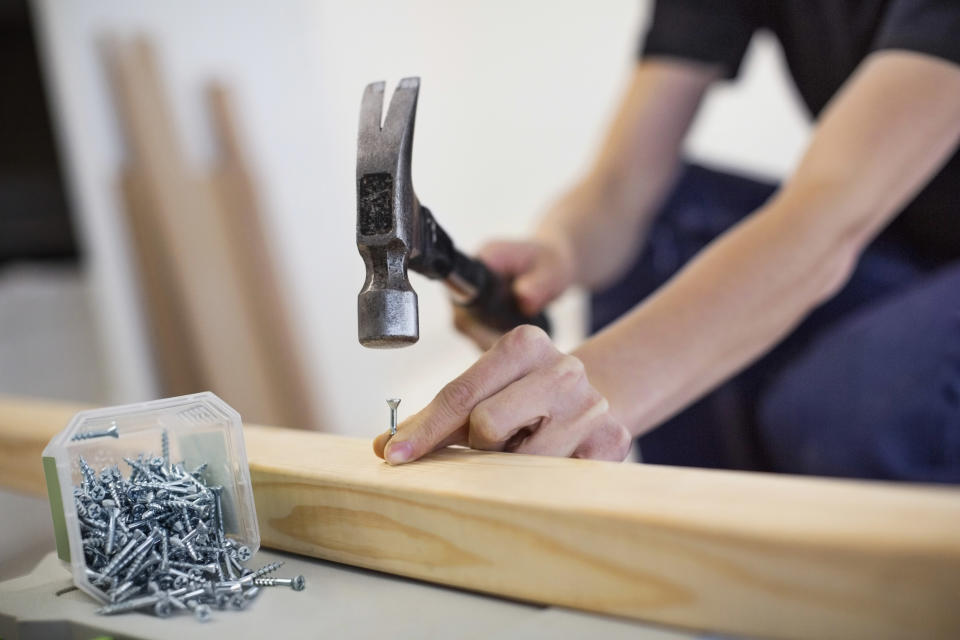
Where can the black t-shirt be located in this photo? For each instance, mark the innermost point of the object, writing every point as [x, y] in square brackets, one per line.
[823, 42]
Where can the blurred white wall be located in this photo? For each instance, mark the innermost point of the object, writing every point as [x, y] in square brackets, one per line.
[514, 98]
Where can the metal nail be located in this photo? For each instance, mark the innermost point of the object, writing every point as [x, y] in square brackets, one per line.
[393, 403]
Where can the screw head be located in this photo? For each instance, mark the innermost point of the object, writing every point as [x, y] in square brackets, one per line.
[298, 583]
[163, 608]
[243, 553]
[201, 612]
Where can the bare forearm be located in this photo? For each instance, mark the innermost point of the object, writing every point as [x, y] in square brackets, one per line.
[600, 221]
[879, 142]
[601, 225]
[723, 310]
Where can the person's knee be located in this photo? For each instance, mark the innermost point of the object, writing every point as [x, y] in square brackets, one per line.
[804, 428]
[877, 396]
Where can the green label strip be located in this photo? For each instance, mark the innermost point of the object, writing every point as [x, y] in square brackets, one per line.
[56, 508]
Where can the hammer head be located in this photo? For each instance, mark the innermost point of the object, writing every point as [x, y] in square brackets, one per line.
[388, 217]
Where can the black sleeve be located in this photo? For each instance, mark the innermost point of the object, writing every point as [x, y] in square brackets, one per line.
[924, 26]
[709, 31]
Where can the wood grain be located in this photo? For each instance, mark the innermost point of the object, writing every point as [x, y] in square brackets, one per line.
[742, 553]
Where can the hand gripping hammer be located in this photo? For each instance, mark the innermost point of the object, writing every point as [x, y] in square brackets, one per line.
[395, 232]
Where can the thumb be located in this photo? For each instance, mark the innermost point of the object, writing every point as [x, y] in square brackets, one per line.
[413, 446]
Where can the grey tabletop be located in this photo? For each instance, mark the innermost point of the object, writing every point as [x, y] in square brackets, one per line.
[339, 601]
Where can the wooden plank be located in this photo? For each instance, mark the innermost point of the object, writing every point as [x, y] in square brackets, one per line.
[742, 553]
[230, 356]
[243, 220]
[171, 339]
[26, 425]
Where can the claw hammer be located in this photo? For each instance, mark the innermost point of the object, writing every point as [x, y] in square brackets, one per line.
[396, 233]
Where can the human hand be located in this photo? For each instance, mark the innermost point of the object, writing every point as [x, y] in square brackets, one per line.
[522, 396]
[540, 272]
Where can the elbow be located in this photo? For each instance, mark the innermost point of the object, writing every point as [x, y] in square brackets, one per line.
[831, 236]
[835, 272]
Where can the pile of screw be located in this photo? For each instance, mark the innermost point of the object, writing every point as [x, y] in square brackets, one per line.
[155, 540]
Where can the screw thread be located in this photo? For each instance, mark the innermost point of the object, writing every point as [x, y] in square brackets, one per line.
[129, 605]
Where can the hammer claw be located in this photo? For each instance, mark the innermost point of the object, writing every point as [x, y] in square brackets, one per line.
[371, 108]
[403, 109]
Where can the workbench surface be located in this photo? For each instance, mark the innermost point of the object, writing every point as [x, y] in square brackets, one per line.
[339, 601]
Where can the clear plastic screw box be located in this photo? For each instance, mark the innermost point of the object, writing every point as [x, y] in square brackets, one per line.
[201, 428]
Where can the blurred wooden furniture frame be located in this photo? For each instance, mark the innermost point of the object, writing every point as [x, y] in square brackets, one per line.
[742, 553]
[211, 290]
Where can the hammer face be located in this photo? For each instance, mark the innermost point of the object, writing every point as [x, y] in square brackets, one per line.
[387, 318]
[387, 217]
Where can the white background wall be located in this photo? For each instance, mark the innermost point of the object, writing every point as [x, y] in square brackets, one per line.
[514, 98]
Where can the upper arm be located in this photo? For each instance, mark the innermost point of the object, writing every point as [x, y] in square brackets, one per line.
[688, 45]
[715, 33]
[653, 117]
[881, 139]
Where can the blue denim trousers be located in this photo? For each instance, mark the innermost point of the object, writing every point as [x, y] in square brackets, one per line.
[868, 386]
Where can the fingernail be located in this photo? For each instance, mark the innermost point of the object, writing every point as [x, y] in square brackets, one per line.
[399, 452]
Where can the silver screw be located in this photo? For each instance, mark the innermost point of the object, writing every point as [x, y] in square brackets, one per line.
[163, 608]
[112, 526]
[393, 403]
[165, 448]
[114, 564]
[154, 539]
[262, 571]
[111, 432]
[200, 611]
[130, 605]
[297, 584]
[218, 506]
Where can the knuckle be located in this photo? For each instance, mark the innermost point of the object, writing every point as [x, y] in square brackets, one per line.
[569, 369]
[483, 428]
[525, 339]
[457, 397]
[481, 419]
[590, 403]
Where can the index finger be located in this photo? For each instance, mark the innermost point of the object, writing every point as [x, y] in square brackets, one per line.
[513, 356]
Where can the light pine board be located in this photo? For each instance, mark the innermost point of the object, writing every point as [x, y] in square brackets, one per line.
[743, 553]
